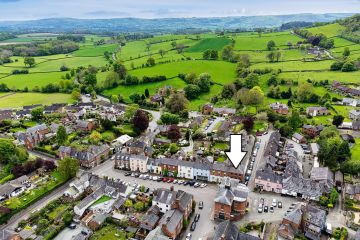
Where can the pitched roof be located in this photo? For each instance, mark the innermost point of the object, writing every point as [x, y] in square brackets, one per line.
[165, 196]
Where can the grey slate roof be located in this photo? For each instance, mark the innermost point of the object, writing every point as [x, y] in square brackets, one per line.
[229, 231]
[165, 196]
[172, 219]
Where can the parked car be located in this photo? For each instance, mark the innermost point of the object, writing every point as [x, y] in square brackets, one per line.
[247, 178]
[201, 205]
[197, 217]
[260, 208]
[159, 179]
[193, 226]
[271, 209]
[274, 202]
[192, 183]
[72, 226]
[279, 204]
[197, 185]
[266, 209]
[188, 236]
[133, 174]
[181, 182]
[164, 179]
[203, 185]
[175, 181]
[137, 175]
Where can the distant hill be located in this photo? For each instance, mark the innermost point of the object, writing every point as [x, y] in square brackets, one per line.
[133, 25]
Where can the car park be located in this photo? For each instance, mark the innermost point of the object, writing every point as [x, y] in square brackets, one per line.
[201, 205]
[193, 226]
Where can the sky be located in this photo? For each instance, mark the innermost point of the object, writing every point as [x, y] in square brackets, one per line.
[89, 9]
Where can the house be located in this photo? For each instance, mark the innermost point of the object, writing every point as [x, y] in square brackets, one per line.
[312, 131]
[314, 148]
[228, 230]
[85, 125]
[170, 165]
[78, 186]
[219, 171]
[298, 138]
[56, 107]
[148, 221]
[156, 98]
[207, 109]
[354, 115]
[154, 166]
[196, 122]
[225, 111]
[33, 136]
[291, 223]
[201, 170]
[267, 180]
[138, 163]
[6, 114]
[186, 170]
[166, 91]
[352, 191]
[122, 161]
[172, 223]
[279, 108]
[164, 199]
[96, 221]
[88, 158]
[13, 188]
[314, 222]
[355, 125]
[338, 87]
[136, 147]
[156, 234]
[322, 174]
[351, 102]
[317, 111]
[230, 202]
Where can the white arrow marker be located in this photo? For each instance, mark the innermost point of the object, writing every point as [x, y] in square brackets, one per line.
[236, 155]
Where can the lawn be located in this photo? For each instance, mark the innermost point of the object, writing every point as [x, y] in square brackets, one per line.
[221, 146]
[209, 43]
[109, 232]
[329, 30]
[93, 51]
[103, 199]
[23, 99]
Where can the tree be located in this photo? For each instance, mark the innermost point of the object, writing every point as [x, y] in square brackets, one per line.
[61, 135]
[304, 91]
[90, 79]
[256, 95]
[162, 52]
[204, 82]
[191, 91]
[68, 167]
[271, 56]
[251, 80]
[259, 31]
[174, 132]
[114, 99]
[7, 150]
[228, 91]
[248, 123]
[37, 113]
[147, 93]
[270, 45]
[348, 66]
[75, 94]
[294, 120]
[244, 61]
[169, 118]
[177, 103]
[95, 137]
[210, 54]
[173, 148]
[278, 56]
[128, 203]
[130, 111]
[346, 52]
[29, 61]
[139, 206]
[180, 48]
[141, 120]
[120, 69]
[227, 53]
[337, 120]
[150, 62]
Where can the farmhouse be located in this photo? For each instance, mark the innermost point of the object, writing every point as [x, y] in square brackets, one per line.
[354, 115]
[207, 109]
[317, 111]
[279, 108]
[298, 138]
[312, 131]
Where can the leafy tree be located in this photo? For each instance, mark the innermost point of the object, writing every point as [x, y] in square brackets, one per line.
[191, 78]
[120, 69]
[270, 45]
[251, 80]
[210, 54]
[304, 92]
[338, 120]
[227, 53]
[169, 118]
[29, 61]
[173, 148]
[174, 132]
[37, 113]
[180, 48]
[90, 79]
[295, 120]
[67, 218]
[256, 95]
[61, 135]
[75, 94]
[68, 167]
[337, 66]
[141, 120]
[348, 66]
[114, 99]
[228, 91]
[191, 91]
[128, 203]
[204, 82]
[139, 206]
[147, 94]
[95, 137]
[346, 52]
[272, 81]
[130, 111]
[248, 123]
[162, 52]
[271, 56]
[177, 103]
[7, 150]
[150, 62]
[244, 61]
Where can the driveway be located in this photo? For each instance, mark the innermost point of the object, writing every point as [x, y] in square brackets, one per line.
[68, 233]
[213, 124]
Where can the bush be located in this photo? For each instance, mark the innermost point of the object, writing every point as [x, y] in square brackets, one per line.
[169, 118]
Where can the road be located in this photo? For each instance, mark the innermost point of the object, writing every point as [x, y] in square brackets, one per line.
[24, 214]
[204, 227]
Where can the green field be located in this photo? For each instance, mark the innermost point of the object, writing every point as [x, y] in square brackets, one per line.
[209, 43]
[23, 99]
